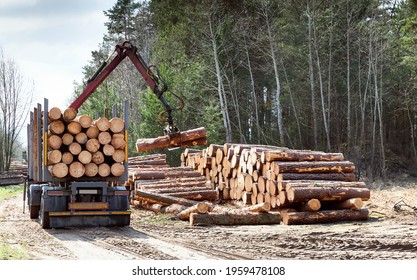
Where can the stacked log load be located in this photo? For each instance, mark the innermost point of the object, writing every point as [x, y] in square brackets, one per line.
[305, 186]
[154, 184]
[80, 146]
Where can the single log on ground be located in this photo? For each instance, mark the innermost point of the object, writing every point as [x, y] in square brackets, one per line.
[162, 199]
[201, 207]
[348, 177]
[325, 216]
[165, 141]
[261, 207]
[314, 167]
[199, 195]
[302, 194]
[235, 219]
[178, 190]
[352, 203]
[311, 205]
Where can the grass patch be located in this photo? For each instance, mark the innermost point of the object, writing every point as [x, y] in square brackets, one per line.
[157, 218]
[9, 252]
[9, 191]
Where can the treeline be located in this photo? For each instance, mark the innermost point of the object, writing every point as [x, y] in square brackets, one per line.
[323, 75]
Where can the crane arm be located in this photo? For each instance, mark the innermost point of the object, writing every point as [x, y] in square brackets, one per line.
[154, 82]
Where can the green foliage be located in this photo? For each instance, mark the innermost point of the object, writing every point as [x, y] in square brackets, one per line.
[9, 252]
[372, 42]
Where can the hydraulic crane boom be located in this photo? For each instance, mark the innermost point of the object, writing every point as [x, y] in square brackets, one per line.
[157, 85]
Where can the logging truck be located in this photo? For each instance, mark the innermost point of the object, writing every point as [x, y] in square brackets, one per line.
[74, 175]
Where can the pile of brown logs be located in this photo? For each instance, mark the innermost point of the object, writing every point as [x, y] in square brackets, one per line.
[80, 146]
[155, 185]
[304, 186]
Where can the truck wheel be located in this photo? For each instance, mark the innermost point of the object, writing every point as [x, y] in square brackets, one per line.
[44, 216]
[34, 211]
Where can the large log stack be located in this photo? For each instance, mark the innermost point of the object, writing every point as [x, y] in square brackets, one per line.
[79, 146]
[153, 183]
[305, 186]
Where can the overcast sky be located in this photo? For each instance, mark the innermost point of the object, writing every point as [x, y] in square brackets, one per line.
[51, 40]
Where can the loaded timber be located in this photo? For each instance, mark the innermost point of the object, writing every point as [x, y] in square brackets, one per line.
[74, 179]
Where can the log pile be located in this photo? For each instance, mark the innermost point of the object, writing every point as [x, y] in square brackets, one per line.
[155, 185]
[15, 176]
[305, 186]
[79, 146]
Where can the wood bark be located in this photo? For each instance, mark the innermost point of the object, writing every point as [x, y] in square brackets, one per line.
[261, 207]
[293, 155]
[301, 194]
[325, 216]
[162, 199]
[165, 141]
[348, 177]
[202, 208]
[314, 167]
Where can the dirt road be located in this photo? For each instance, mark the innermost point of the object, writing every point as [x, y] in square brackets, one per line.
[388, 234]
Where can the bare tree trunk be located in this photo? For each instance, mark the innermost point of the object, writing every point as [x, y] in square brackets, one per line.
[277, 81]
[220, 89]
[311, 76]
[348, 117]
[252, 83]
[297, 120]
[323, 106]
[15, 99]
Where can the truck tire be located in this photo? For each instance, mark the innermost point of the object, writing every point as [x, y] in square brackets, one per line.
[44, 216]
[34, 211]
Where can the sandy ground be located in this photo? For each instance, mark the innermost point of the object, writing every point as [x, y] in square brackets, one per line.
[390, 233]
